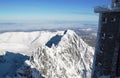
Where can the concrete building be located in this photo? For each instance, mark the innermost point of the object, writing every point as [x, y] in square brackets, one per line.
[107, 54]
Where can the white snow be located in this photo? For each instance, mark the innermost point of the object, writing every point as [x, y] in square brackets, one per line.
[24, 42]
[54, 54]
[86, 29]
[70, 58]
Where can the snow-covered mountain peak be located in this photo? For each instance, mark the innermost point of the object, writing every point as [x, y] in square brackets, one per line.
[69, 32]
[69, 38]
[61, 39]
[63, 56]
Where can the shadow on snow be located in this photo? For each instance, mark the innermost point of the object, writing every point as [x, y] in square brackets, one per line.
[54, 40]
[10, 62]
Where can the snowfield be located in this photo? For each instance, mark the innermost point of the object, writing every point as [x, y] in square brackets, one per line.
[61, 54]
[24, 42]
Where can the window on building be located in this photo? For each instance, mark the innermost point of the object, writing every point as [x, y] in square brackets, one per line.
[103, 36]
[111, 36]
[104, 20]
[113, 19]
[116, 1]
[114, 4]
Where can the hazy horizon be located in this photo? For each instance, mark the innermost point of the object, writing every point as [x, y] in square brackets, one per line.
[33, 14]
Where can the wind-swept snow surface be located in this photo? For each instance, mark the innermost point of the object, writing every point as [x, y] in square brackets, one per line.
[61, 54]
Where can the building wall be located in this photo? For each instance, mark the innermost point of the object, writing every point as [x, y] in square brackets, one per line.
[106, 55]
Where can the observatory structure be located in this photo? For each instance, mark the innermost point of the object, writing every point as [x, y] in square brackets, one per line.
[107, 54]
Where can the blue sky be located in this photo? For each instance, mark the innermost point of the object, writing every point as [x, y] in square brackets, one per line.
[49, 10]
[75, 10]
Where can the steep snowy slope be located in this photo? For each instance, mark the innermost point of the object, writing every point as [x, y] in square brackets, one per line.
[64, 56]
